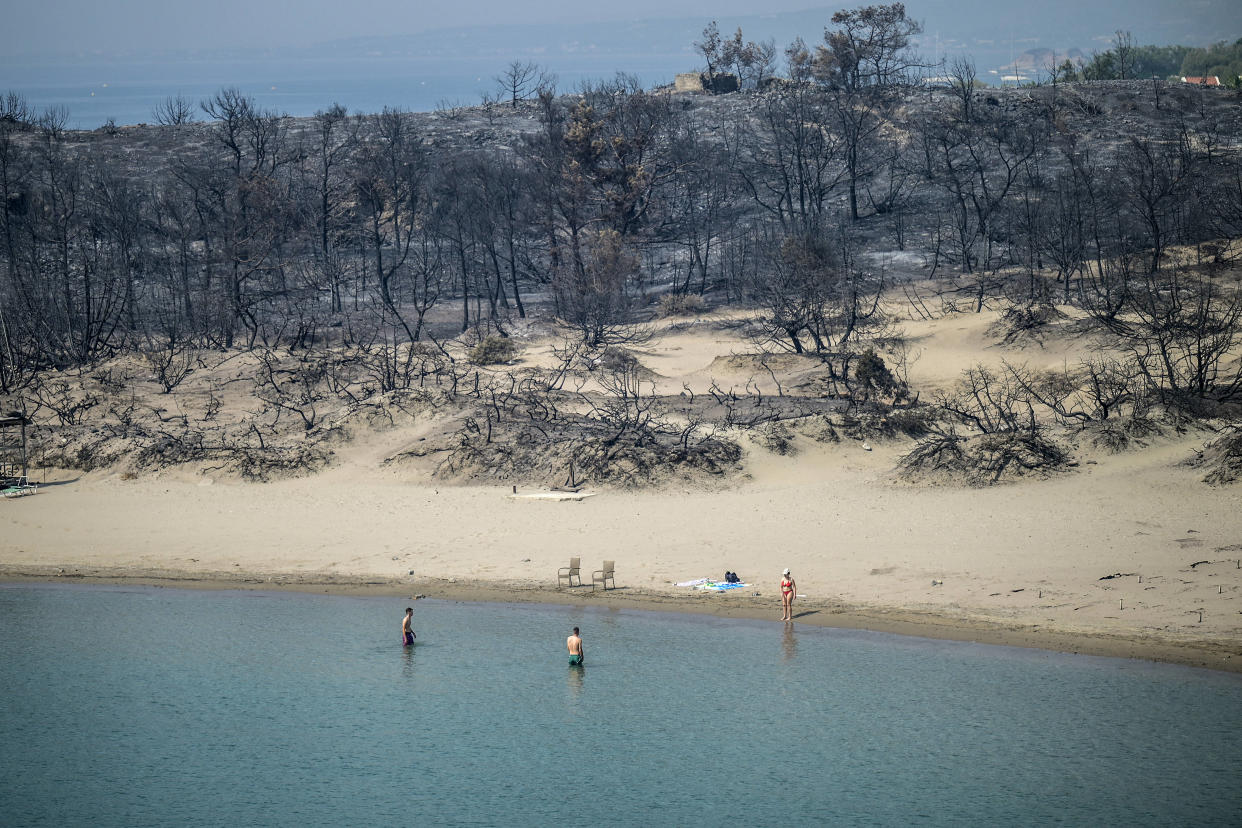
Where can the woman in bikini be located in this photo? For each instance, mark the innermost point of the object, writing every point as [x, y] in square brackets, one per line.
[788, 590]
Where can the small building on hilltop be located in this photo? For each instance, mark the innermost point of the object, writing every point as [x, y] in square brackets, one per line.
[1209, 80]
[717, 84]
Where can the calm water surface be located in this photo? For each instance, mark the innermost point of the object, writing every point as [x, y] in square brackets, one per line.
[130, 707]
[128, 92]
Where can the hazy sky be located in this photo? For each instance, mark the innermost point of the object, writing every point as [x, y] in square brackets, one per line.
[110, 27]
[32, 26]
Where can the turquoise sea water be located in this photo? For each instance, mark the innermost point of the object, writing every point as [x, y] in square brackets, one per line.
[128, 91]
[136, 706]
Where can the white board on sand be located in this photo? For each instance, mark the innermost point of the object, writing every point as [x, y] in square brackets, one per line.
[555, 496]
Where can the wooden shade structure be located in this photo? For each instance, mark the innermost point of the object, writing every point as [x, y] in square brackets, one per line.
[13, 467]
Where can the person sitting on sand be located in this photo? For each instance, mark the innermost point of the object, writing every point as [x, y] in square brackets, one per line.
[789, 591]
[407, 634]
[575, 648]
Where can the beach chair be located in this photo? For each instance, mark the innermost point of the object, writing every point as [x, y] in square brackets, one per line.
[18, 487]
[603, 576]
[568, 573]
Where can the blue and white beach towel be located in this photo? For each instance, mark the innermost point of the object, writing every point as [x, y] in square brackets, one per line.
[720, 587]
[710, 585]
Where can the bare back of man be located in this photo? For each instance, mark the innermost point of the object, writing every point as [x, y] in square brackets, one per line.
[574, 643]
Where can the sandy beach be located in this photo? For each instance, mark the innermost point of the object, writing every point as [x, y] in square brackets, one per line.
[1026, 564]
[1128, 554]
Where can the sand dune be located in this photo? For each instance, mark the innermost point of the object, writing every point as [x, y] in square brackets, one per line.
[1128, 553]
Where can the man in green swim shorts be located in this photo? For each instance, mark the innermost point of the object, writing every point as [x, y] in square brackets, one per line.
[575, 648]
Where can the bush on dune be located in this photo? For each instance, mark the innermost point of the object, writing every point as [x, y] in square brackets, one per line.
[1222, 458]
[493, 350]
[982, 460]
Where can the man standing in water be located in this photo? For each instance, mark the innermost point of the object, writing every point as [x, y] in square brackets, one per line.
[407, 634]
[575, 648]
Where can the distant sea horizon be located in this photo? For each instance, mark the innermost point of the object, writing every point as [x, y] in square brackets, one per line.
[92, 92]
[423, 70]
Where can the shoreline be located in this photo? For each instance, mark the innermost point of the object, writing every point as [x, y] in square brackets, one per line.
[1204, 653]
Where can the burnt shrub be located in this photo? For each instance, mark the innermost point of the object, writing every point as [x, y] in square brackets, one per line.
[493, 350]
